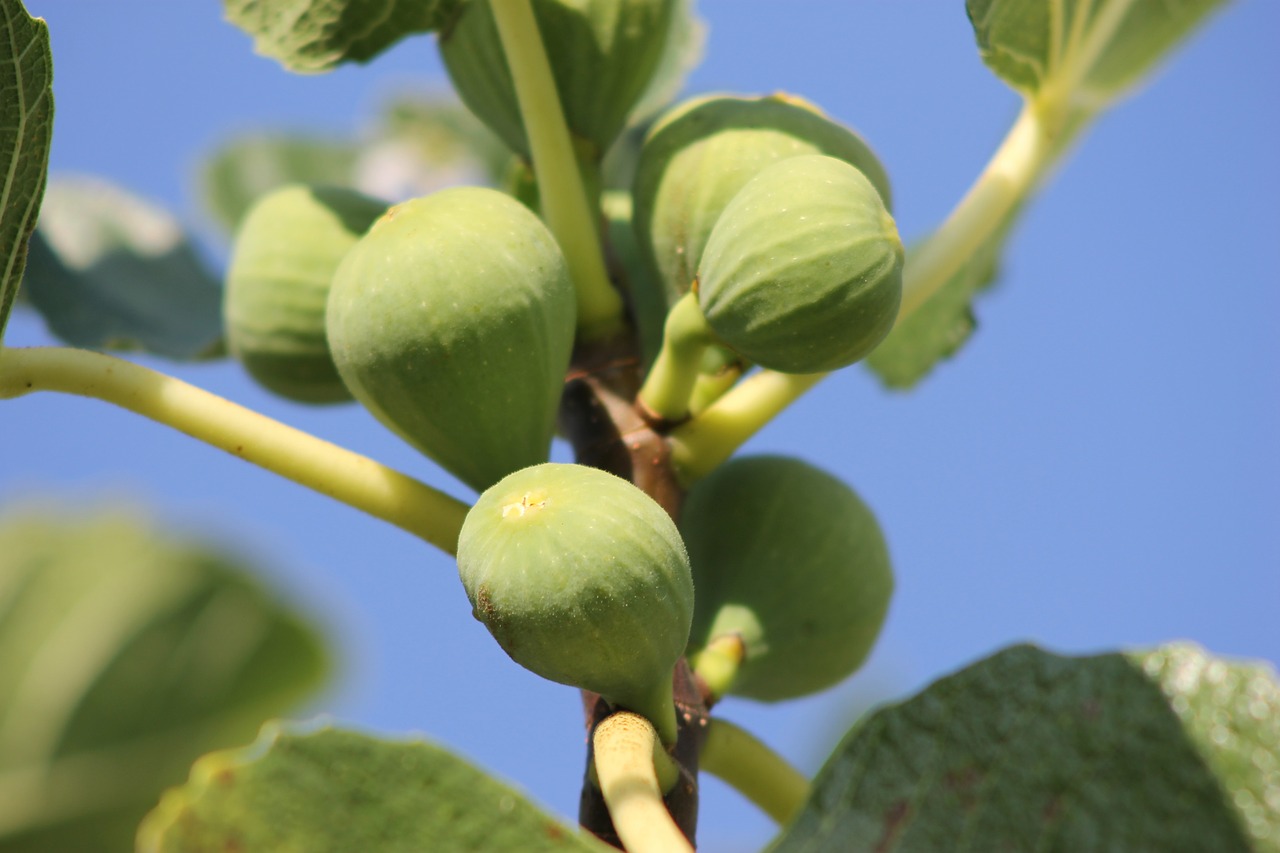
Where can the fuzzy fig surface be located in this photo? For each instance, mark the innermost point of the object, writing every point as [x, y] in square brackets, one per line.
[452, 321]
[583, 579]
[283, 260]
[789, 559]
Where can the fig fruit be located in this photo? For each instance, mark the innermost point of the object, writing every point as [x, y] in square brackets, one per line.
[603, 54]
[701, 153]
[791, 561]
[282, 262]
[583, 579]
[452, 321]
[803, 270]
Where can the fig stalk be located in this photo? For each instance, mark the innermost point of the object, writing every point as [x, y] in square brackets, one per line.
[293, 454]
[624, 745]
[736, 757]
[669, 386]
[564, 198]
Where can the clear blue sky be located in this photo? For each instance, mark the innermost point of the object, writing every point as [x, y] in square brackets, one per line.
[1098, 469]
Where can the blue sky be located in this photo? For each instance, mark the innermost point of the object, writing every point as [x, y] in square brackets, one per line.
[1098, 469]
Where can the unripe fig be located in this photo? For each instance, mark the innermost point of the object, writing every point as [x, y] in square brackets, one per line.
[701, 153]
[803, 271]
[282, 262]
[583, 579]
[603, 54]
[790, 560]
[452, 321]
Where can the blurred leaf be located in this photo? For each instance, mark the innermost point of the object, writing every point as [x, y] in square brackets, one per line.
[686, 40]
[339, 791]
[26, 131]
[124, 655]
[416, 146]
[938, 329]
[1170, 750]
[1080, 53]
[244, 169]
[310, 36]
[111, 271]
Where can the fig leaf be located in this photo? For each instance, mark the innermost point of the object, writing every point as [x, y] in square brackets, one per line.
[26, 132]
[1170, 749]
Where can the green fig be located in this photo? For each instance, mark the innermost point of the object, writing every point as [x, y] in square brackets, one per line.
[282, 262]
[789, 560]
[702, 152]
[603, 55]
[452, 321]
[583, 579]
[803, 270]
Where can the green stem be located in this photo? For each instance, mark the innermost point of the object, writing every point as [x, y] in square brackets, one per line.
[1006, 180]
[701, 444]
[717, 665]
[735, 756]
[669, 385]
[563, 196]
[293, 454]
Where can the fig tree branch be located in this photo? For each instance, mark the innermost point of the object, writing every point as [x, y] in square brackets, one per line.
[293, 454]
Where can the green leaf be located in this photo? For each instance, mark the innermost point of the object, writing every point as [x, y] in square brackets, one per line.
[686, 41]
[1080, 53]
[246, 168]
[1027, 750]
[311, 36]
[124, 655]
[26, 131]
[332, 790]
[111, 271]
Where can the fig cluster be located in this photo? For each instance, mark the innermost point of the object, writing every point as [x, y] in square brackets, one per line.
[452, 319]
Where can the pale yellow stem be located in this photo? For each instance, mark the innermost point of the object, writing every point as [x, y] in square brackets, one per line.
[624, 745]
[293, 454]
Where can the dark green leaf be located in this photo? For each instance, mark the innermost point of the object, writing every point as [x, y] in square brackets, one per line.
[1082, 53]
[1169, 751]
[124, 655]
[244, 169]
[26, 131]
[310, 36]
[110, 271]
[338, 791]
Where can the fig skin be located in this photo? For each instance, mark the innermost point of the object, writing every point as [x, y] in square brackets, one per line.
[803, 271]
[452, 321]
[702, 152]
[285, 253]
[791, 560]
[603, 55]
[583, 579]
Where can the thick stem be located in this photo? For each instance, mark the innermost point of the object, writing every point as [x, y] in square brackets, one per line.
[1006, 180]
[293, 454]
[669, 386]
[563, 196]
[624, 746]
[735, 756]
